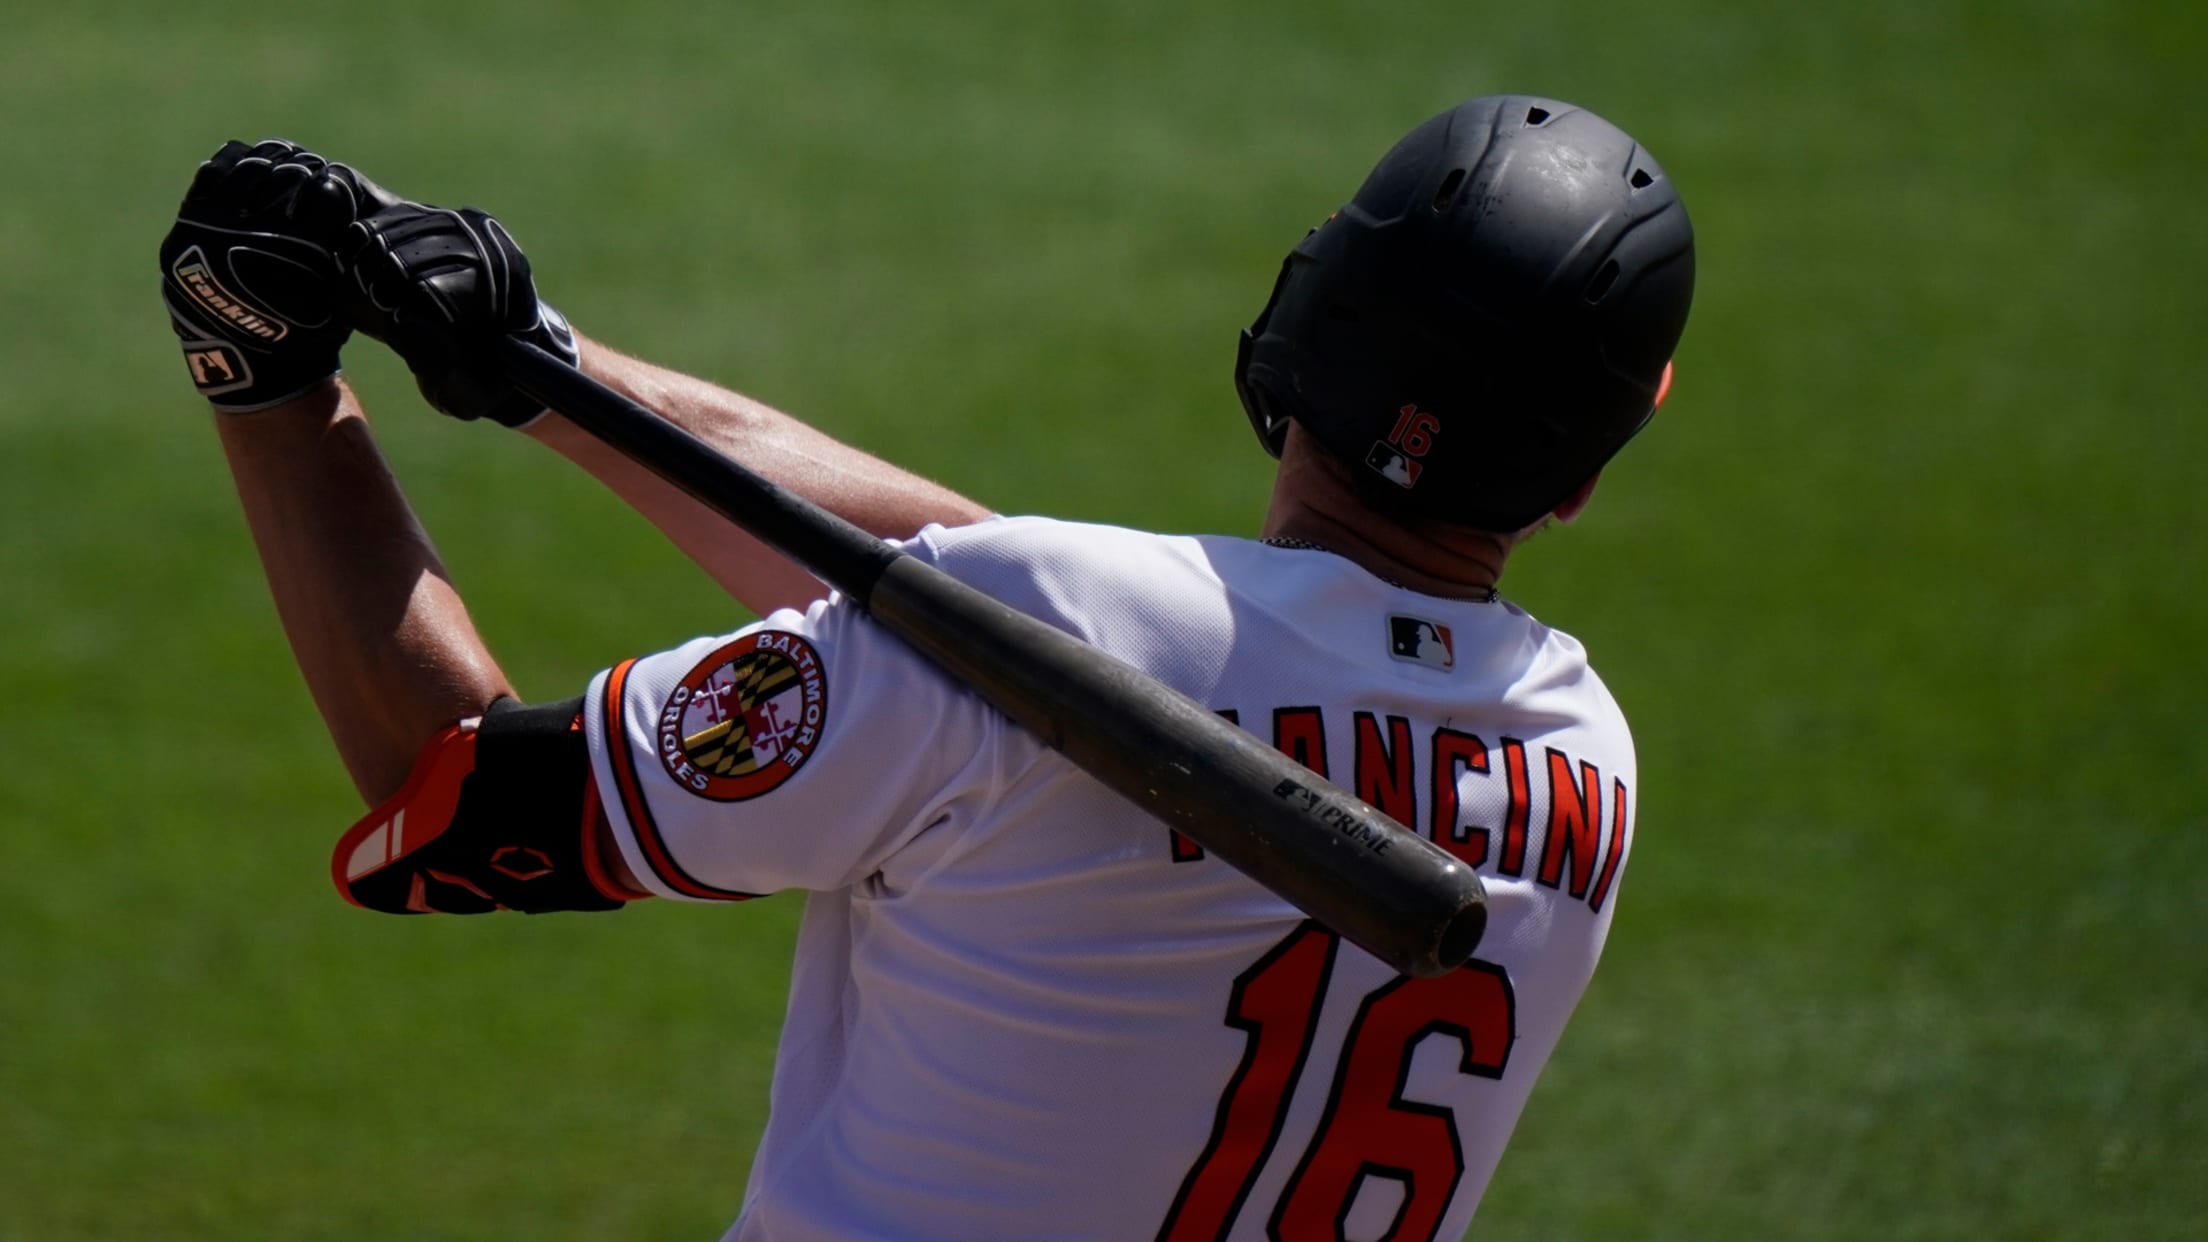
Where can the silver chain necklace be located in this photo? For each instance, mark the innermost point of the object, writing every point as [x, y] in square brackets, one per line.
[1290, 541]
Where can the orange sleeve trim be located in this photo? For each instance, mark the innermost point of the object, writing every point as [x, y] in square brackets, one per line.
[594, 861]
[642, 826]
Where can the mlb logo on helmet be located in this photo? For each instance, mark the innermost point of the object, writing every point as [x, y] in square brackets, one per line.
[1392, 466]
[1395, 458]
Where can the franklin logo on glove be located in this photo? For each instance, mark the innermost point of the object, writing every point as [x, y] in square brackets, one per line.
[200, 284]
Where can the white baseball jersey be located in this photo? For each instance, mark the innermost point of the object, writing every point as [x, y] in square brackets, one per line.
[1023, 1009]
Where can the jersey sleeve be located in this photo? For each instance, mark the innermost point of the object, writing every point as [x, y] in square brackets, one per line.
[803, 752]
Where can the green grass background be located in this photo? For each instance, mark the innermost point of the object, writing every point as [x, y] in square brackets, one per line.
[1903, 592]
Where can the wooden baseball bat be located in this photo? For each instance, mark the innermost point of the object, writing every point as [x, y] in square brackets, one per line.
[1384, 888]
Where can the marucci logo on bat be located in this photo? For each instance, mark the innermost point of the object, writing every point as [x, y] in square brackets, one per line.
[198, 282]
[746, 718]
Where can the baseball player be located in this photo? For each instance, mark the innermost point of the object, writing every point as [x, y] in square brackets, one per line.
[1020, 1009]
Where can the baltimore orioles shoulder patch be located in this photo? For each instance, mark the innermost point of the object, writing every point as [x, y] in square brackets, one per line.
[746, 718]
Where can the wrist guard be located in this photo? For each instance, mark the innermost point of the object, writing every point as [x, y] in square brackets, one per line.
[503, 815]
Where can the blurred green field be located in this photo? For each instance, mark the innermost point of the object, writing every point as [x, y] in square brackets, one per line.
[1903, 592]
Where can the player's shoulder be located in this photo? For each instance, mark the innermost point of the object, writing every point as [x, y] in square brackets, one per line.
[1559, 682]
[1153, 600]
[1043, 543]
[1051, 566]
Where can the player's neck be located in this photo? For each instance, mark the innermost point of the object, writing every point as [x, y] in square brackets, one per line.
[1315, 503]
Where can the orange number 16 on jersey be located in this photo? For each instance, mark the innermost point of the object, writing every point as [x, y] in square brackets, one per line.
[1368, 1128]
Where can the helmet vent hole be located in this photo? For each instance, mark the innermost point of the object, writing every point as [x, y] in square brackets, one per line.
[1534, 116]
[1447, 194]
[1604, 278]
[1640, 179]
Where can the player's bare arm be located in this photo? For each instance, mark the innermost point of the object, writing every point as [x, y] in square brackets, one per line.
[378, 629]
[405, 684]
[380, 633]
[382, 639]
[856, 486]
[480, 286]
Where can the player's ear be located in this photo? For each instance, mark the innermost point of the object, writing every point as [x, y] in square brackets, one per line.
[1577, 501]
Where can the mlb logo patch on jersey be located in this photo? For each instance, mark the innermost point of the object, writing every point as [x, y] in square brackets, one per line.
[1415, 640]
[745, 718]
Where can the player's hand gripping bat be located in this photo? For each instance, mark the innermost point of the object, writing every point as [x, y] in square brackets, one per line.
[1391, 892]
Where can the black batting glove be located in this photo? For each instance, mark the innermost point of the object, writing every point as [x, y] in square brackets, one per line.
[250, 275]
[440, 287]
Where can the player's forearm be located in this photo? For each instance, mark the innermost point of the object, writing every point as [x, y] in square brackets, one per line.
[382, 638]
[862, 489]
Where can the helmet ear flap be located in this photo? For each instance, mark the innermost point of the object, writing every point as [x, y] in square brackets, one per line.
[1271, 426]
[1270, 423]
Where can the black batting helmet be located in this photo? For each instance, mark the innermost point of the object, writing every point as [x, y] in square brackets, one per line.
[1487, 321]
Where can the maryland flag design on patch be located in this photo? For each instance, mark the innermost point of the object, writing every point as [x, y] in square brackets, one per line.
[746, 718]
